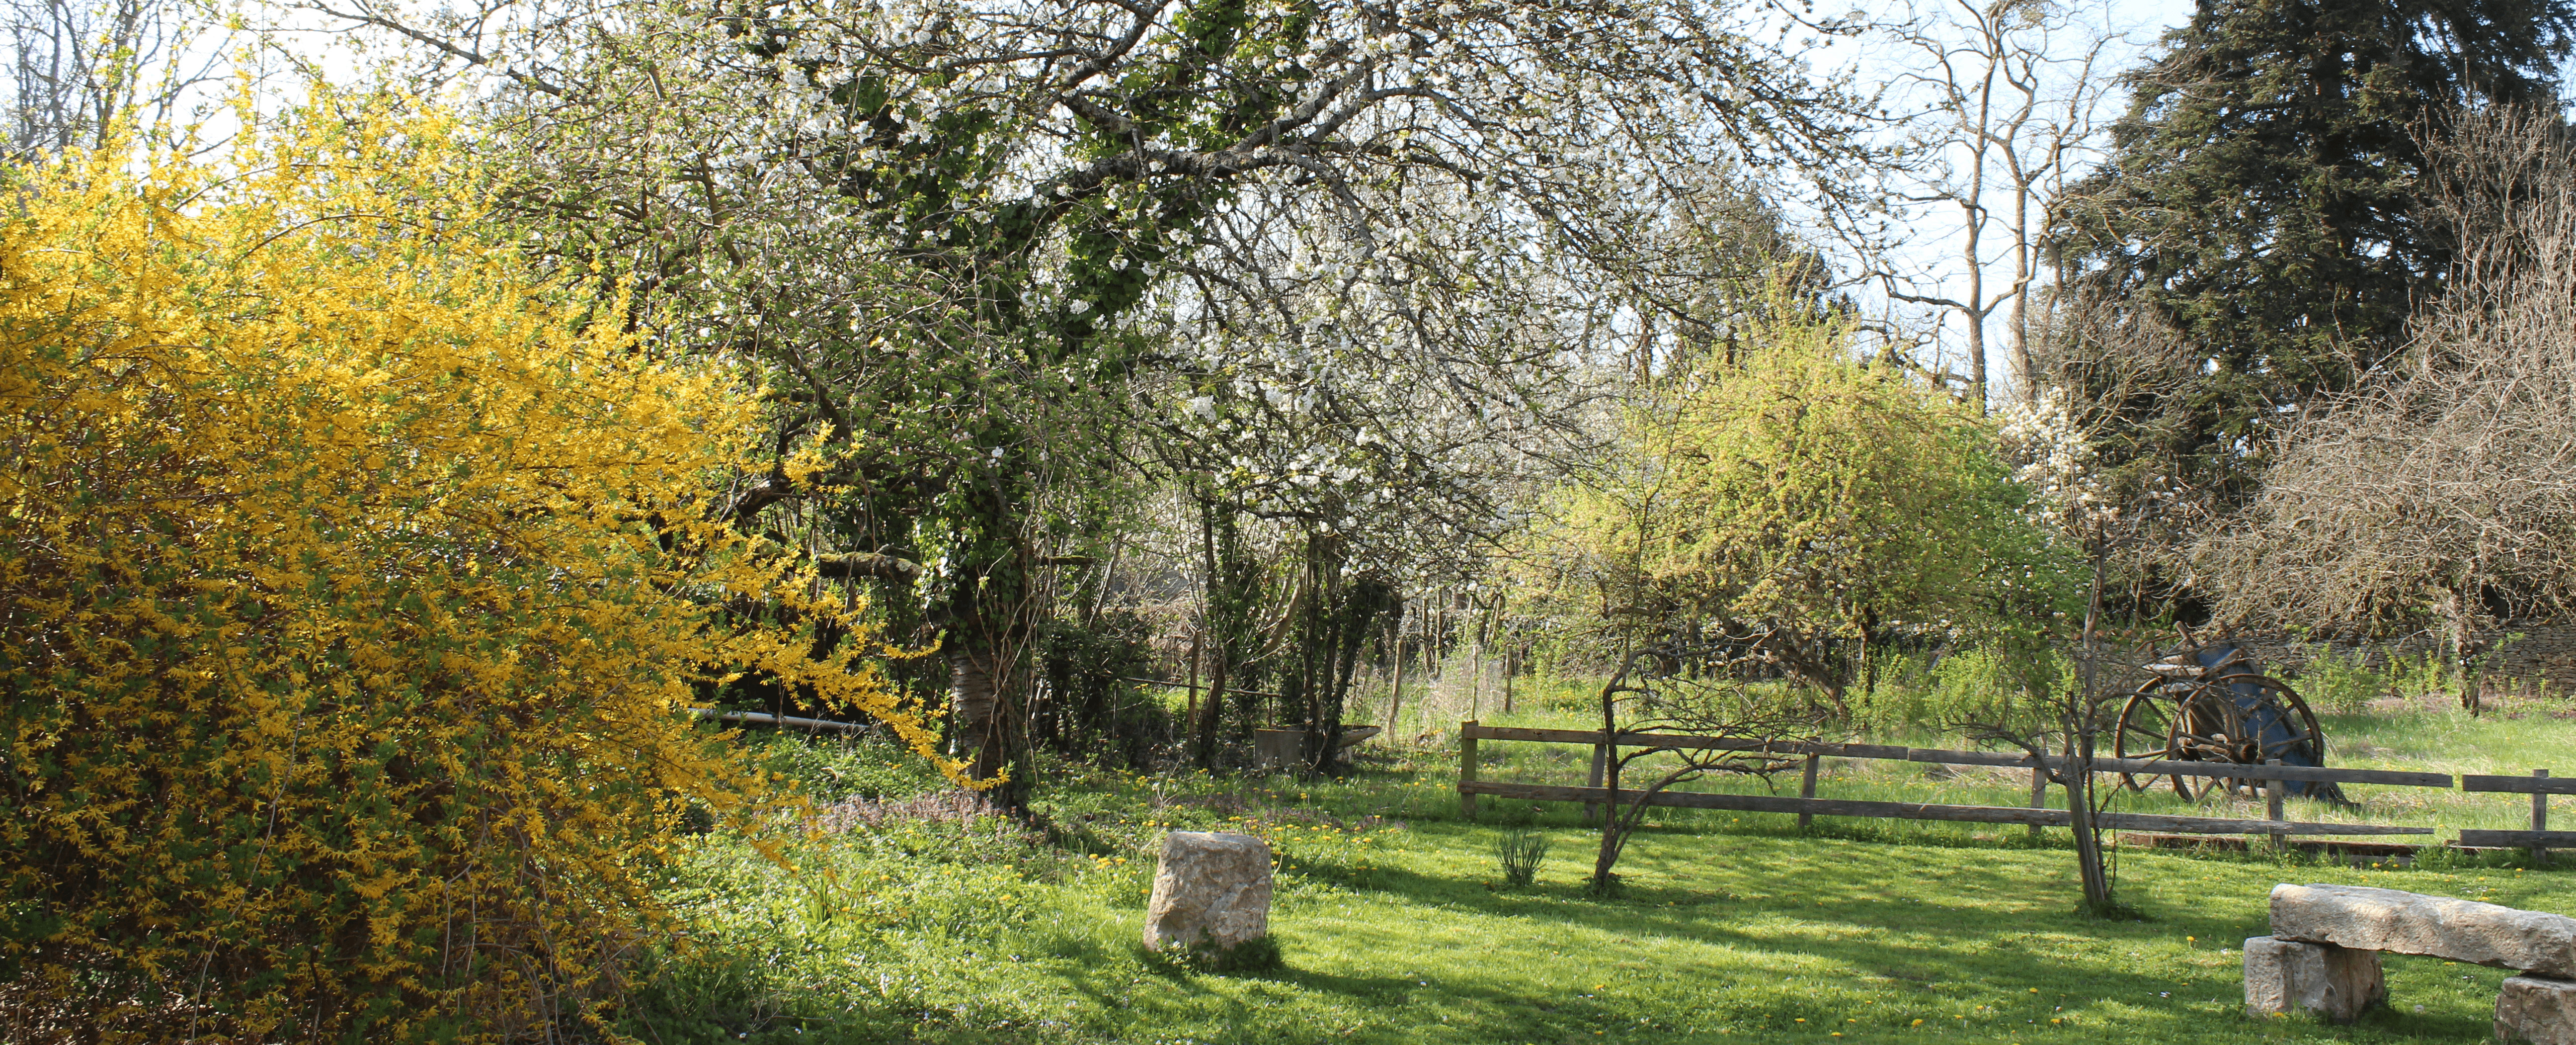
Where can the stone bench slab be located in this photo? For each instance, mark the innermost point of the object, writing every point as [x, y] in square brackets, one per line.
[2367, 919]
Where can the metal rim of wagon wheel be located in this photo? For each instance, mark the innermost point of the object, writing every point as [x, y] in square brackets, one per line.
[2145, 733]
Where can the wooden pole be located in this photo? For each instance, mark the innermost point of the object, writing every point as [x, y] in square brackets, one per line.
[1807, 789]
[1466, 767]
[2038, 794]
[1395, 693]
[1600, 765]
[1192, 716]
[2539, 822]
[2272, 805]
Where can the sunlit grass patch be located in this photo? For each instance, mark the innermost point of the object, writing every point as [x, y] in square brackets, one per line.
[1734, 928]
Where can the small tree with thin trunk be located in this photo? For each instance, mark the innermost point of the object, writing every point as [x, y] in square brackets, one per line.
[2061, 732]
[1689, 689]
[2111, 511]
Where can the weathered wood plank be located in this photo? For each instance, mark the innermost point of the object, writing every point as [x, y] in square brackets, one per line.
[1970, 758]
[2240, 771]
[2521, 785]
[2314, 774]
[1680, 740]
[1930, 811]
[2518, 839]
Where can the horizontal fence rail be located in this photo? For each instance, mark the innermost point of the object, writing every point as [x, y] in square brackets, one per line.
[2527, 785]
[2134, 766]
[2037, 815]
[1930, 811]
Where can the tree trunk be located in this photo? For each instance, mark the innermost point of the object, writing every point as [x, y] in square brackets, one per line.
[1395, 692]
[975, 694]
[2459, 641]
[2081, 719]
[2089, 864]
[1603, 877]
[1211, 713]
[1217, 624]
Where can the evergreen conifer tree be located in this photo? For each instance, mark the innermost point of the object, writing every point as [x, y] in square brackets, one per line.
[2261, 197]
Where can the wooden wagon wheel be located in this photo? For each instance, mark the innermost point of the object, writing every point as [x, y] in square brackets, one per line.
[2145, 733]
[2206, 720]
[2245, 744]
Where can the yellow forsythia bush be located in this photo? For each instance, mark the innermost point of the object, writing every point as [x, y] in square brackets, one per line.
[354, 588]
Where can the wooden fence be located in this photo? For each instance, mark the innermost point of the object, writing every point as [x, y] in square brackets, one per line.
[2037, 814]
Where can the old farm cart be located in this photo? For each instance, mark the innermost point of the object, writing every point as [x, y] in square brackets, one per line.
[2208, 703]
[1807, 806]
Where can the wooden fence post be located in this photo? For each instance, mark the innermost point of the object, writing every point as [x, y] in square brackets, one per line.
[1600, 770]
[1807, 789]
[2272, 806]
[2038, 795]
[1466, 767]
[2539, 822]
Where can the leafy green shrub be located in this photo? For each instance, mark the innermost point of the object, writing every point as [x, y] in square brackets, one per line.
[1092, 710]
[1981, 685]
[2340, 682]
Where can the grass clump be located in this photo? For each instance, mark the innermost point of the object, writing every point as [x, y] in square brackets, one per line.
[1258, 954]
[1521, 850]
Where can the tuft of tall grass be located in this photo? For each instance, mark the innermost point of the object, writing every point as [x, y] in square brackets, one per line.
[1521, 850]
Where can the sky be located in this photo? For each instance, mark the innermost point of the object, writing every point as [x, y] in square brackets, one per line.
[1926, 249]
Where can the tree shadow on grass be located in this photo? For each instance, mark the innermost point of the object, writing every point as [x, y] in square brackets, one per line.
[1947, 936]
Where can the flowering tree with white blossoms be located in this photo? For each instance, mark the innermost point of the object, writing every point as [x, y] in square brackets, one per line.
[939, 231]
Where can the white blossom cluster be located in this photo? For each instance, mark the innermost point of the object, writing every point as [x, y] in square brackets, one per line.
[2053, 459]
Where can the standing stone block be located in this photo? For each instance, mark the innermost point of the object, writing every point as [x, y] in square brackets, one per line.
[2412, 923]
[2336, 983]
[2536, 1009]
[1211, 891]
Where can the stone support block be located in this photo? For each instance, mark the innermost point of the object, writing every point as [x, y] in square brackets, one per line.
[1211, 891]
[2536, 1009]
[2336, 983]
[2411, 923]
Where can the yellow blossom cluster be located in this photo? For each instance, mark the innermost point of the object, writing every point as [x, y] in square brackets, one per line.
[355, 587]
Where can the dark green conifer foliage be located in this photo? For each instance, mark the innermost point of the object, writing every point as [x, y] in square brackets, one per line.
[2261, 198]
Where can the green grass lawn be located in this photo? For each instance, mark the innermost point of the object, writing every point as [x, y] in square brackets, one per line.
[1732, 928]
